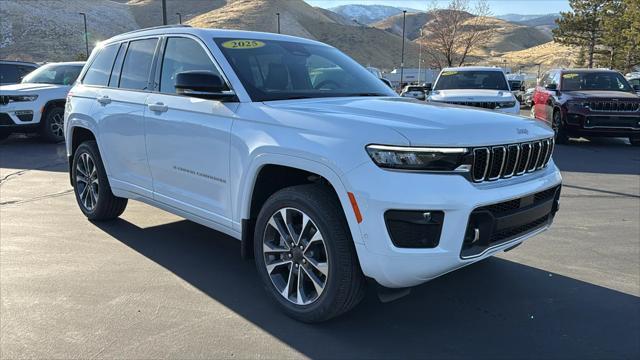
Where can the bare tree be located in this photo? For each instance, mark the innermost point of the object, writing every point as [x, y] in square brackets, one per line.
[454, 32]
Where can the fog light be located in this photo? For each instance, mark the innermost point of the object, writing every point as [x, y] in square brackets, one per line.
[414, 229]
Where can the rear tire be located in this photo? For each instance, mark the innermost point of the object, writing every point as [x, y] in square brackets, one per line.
[327, 241]
[91, 185]
[52, 127]
[558, 128]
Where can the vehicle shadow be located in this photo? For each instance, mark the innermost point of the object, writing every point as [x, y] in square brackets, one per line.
[493, 309]
[600, 155]
[30, 152]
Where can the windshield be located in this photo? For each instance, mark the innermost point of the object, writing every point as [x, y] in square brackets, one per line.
[515, 84]
[487, 80]
[280, 70]
[594, 81]
[54, 74]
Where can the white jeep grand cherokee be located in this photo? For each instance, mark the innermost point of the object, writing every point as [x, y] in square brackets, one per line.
[325, 175]
[483, 87]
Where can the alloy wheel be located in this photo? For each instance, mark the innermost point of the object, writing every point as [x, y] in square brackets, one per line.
[87, 184]
[57, 125]
[295, 256]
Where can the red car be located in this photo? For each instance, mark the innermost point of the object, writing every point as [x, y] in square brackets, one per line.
[588, 103]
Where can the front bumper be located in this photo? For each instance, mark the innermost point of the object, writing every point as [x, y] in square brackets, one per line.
[17, 115]
[396, 267]
[613, 124]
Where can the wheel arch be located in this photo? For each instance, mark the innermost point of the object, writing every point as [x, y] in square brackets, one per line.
[76, 136]
[52, 104]
[289, 171]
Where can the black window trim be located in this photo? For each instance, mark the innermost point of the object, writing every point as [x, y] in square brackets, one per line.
[151, 70]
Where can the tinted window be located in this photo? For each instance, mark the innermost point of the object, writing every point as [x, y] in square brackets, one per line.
[100, 70]
[491, 80]
[137, 64]
[634, 82]
[24, 70]
[54, 74]
[593, 80]
[278, 70]
[9, 74]
[182, 54]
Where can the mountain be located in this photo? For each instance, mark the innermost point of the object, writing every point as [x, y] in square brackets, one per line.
[369, 46]
[508, 36]
[548, 55]
[368, 14]
[544, 23]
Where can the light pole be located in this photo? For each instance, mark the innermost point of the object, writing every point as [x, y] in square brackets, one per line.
[86, 36]
[278, 16]
[164, 12]
[179, 18]
[404, 15]
[538, 78]
[420, 59]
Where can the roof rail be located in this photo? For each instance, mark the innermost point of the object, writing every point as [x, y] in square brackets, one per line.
[156, 27]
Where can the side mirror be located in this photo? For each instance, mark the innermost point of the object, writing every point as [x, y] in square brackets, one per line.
[551, 87]
[202, 84]
[523, 88]
[387, 82]
[428, 87]
[636, 88]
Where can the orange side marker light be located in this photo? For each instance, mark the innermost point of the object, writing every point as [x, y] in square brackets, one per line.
[354, 205]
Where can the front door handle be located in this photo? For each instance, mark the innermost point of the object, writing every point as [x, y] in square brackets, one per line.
[104, 100]
[158, 107]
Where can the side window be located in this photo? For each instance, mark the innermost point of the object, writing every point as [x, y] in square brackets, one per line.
[555, 78]
[100, 69]
[182, 54]
[117, 66]
[137, 64]
[9, 74]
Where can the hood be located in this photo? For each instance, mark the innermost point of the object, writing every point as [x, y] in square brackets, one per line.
[422, 124]
[471, 95]
[28, 87]
[600, 94]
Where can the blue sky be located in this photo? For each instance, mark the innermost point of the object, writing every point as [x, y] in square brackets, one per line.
[498, 7]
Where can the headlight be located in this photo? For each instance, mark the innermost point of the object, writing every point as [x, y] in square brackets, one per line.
[508, 104]
[20, 98]
[420, 159]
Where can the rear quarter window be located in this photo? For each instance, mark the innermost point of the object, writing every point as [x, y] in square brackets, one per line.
[100, 70]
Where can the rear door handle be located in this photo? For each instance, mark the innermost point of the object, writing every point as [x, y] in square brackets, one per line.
[104, 100]
[158, 107]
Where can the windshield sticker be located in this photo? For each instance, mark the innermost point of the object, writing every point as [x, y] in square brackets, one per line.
[447, 73]
[243, 44]
[569, 76]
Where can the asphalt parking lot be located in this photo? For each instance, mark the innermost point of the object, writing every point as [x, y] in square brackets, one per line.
[153, 285]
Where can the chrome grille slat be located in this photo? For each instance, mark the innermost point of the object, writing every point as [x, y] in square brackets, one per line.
[505, 161]
[613, 106]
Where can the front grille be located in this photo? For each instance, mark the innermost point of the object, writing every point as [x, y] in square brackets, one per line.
[491, 105]
[613, 106]
[518, 230]
[504, 161]
[5, 119]
[4, 99]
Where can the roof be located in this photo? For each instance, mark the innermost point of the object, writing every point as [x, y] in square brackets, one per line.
[586, 70]
[18, 62]
[205, 33]
[473, 68]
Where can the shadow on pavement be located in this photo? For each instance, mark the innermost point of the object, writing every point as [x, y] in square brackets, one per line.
[600, 155]
[493, 309]
[31, 153]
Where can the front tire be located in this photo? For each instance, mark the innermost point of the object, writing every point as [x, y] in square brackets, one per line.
[52, 127]
[305, 254]
[558, 128]
[91, 185]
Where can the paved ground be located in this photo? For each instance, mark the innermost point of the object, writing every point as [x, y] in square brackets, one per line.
[152, 285]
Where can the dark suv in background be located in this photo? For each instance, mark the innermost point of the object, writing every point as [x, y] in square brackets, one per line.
[589, 103]
[12, 72]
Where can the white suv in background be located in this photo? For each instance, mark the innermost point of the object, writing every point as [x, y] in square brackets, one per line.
[37, 103]
[326, 180]
[483, 87]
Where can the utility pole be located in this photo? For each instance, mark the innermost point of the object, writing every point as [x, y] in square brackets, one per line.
[278, 16]
[164, 12]
[86, 35]
[538, 78]
[420, 59]
[179, 18]
[404, 15]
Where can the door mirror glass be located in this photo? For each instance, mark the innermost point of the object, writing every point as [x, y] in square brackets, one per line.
[199, 83]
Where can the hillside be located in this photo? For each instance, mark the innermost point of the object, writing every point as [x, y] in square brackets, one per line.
[548, 55]
[508, 36]
[51, 30]
[149, 12]
[369, 46]
[368, 14]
